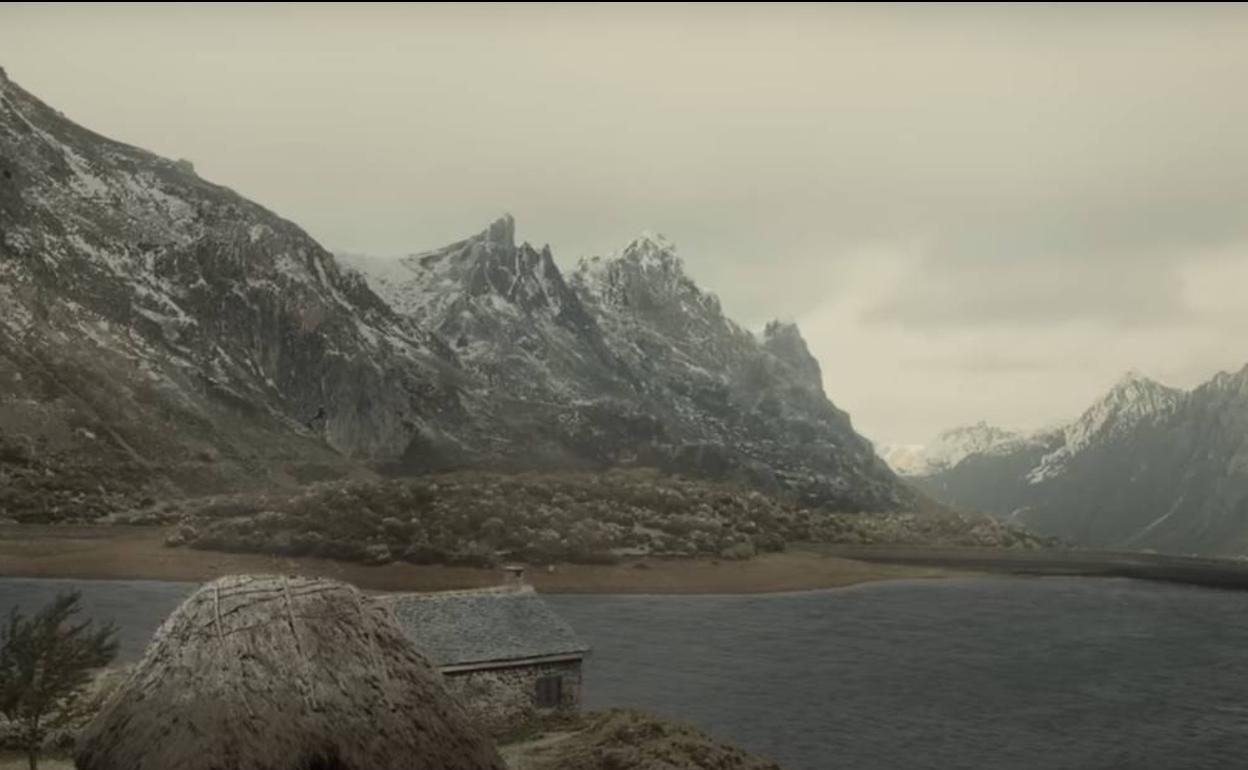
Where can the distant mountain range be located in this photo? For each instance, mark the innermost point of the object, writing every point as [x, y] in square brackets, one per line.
[162, 335]
[1146, 466]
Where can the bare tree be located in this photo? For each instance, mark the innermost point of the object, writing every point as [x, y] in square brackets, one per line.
[46, 661]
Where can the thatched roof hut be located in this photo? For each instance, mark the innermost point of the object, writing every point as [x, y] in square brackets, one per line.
[274, 673]
[498, 627]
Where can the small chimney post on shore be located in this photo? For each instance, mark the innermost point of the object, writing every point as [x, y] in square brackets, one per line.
[513, 575]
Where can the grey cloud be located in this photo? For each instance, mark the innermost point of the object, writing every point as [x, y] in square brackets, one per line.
[1051, 166]
[1007, 291]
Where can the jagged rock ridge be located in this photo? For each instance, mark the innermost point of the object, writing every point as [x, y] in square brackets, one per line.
[628, 361]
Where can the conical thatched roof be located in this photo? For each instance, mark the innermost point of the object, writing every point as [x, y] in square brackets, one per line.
[273, 673]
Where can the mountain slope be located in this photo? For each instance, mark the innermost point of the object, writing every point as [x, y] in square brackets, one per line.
[151, 316]
[953, 446]
[629, 361]
[1146, 466]
[756, 407]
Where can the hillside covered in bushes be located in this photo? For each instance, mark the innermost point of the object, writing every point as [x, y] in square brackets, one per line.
[479, 519]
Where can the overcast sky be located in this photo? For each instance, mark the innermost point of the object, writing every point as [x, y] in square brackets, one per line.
[973, 213]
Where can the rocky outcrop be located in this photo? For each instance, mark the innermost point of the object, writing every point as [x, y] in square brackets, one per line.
[785, 342]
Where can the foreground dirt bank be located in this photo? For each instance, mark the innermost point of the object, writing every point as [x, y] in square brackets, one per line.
[138, 553]
[611, 740]
[628, 740]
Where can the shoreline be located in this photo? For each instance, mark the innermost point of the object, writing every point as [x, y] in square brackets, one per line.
[86, 552]
[138, 553]
[1202, 571]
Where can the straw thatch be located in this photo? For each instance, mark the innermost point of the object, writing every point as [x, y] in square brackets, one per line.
[272, 673]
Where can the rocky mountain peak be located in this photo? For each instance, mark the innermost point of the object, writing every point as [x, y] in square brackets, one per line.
[498, 238]
[1236, 382]
[951, 447]
[501, 232]
[977, 435]
[784, 341]
[1145, 466]
[1133, 396]
[1133, 385]
[488, 268]
[652, 250]
[648, 278]
[1132, 400]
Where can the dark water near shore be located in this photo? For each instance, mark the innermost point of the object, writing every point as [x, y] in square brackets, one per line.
[967, 673]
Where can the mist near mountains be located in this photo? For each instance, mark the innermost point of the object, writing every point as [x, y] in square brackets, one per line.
[1145, 466]
[1015, 202]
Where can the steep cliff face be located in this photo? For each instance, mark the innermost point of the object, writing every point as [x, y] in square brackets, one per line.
[785, 342]
[156, 323]
[540, 386]
[1146, 466]
[177, 321]
[755, 409]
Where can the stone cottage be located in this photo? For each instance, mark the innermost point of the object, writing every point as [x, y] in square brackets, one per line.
[503, 652]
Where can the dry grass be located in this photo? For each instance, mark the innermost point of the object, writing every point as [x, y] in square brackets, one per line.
[286, 673]
[138, 553]
[630, 740]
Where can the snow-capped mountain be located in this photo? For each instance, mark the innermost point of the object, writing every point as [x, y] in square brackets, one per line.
[904, 459]
[951, 447]
[161, 334]
[1133, 400]
[1146, 466]
[507, 313]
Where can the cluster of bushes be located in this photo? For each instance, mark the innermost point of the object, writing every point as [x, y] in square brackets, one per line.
[39, 485]
[479, 519]
[62, 738]
[933, 529]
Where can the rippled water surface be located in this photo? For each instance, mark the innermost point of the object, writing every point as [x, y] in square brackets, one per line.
[966, 673]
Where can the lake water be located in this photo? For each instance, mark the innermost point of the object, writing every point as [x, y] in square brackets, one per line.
[965, 673]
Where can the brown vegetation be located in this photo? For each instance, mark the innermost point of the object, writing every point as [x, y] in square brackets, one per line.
[138, 553]
[477, 519]
[630, 740]
[288, 673]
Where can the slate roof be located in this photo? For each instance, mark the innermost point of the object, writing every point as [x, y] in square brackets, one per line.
[493, 626]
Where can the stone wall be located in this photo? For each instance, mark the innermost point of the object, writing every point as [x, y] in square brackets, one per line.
[502, 700]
